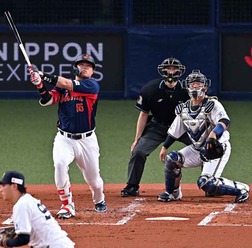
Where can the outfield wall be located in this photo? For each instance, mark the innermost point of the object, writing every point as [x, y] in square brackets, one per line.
[213, 36]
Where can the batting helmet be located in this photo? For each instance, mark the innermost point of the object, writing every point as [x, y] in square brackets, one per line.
[82, 58]
[162, 69]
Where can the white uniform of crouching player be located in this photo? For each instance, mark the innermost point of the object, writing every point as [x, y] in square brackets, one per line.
[201, 117]
[34, 225]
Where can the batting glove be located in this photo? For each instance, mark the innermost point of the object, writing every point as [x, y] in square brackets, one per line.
[32, 68]
[35, 78]
[34, 75]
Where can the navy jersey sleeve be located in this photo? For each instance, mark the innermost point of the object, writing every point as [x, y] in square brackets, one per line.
[89, 86]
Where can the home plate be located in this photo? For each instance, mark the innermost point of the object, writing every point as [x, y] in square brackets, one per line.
[167, 218]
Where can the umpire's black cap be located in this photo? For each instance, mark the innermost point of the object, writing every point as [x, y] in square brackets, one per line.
[11, 177]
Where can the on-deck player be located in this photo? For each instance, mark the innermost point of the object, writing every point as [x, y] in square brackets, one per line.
[76, 139]
[34, 225]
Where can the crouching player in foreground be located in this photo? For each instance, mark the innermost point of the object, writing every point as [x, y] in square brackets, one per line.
[206, 122]
[33, 223]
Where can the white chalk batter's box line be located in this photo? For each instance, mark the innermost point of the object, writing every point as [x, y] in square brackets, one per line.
[132, 212]
[129, 209]
[228, 210]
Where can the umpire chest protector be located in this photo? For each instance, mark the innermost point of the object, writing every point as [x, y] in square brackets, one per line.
[157, 98]
[197, 121]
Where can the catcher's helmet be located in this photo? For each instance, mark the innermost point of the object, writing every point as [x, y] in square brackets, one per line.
[82, 58]
[196, 76]
[162, 69]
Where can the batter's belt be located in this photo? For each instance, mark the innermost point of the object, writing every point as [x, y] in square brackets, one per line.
[76, 136]
[45, 247]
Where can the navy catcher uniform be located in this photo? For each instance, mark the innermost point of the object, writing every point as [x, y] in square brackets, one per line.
[203, 118]
[76, 139]
[156, 103]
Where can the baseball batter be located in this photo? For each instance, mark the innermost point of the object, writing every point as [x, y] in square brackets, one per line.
[76, 139]
[203, 118]
[34, 225]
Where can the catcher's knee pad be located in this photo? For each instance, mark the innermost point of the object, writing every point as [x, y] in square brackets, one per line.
[173, 162]
[208, 183]
[173, 173]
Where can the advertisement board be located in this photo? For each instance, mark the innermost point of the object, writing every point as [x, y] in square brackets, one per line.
[55, 53]
[236, 62]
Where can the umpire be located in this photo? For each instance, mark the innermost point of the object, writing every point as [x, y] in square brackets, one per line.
[156, 102]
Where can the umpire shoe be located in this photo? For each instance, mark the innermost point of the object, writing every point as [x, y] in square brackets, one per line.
[66, 212]
[101, 207]
[130, 190]
[243, 196]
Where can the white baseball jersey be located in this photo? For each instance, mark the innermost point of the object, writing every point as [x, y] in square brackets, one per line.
[31, 217]
[198, 123]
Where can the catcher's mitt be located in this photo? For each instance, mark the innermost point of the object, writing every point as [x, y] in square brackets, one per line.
[6, 233]
[211, 150]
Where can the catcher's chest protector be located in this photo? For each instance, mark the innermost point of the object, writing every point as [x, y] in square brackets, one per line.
[197, 122]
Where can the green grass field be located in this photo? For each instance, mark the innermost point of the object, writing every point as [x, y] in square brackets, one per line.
[28, 130]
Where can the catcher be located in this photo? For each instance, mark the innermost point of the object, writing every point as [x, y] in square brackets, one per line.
[33, 223]
[205, 121]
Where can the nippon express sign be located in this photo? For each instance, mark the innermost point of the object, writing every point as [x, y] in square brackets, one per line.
[55, 53]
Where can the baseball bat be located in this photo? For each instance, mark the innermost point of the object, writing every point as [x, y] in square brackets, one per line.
[18, 38]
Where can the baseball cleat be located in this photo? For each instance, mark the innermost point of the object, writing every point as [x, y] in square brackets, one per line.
[166, 197]
[130, 191]
[101, 207]
[66, 212]
[242, 197]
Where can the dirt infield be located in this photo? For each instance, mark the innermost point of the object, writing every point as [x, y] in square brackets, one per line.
[195, 222]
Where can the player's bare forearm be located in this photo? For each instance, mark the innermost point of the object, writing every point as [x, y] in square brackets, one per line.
[64, 83]
[162, 154]
[141, 123]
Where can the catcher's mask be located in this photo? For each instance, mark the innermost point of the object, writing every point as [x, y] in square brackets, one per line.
[196, 76]
[82, 58]
[171, 77]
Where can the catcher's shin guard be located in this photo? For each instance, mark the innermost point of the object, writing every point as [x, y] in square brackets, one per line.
[229, 187]
[223, 186]
[173, 173]
[172, 181]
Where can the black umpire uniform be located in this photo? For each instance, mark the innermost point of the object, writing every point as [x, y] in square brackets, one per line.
[157, 99]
